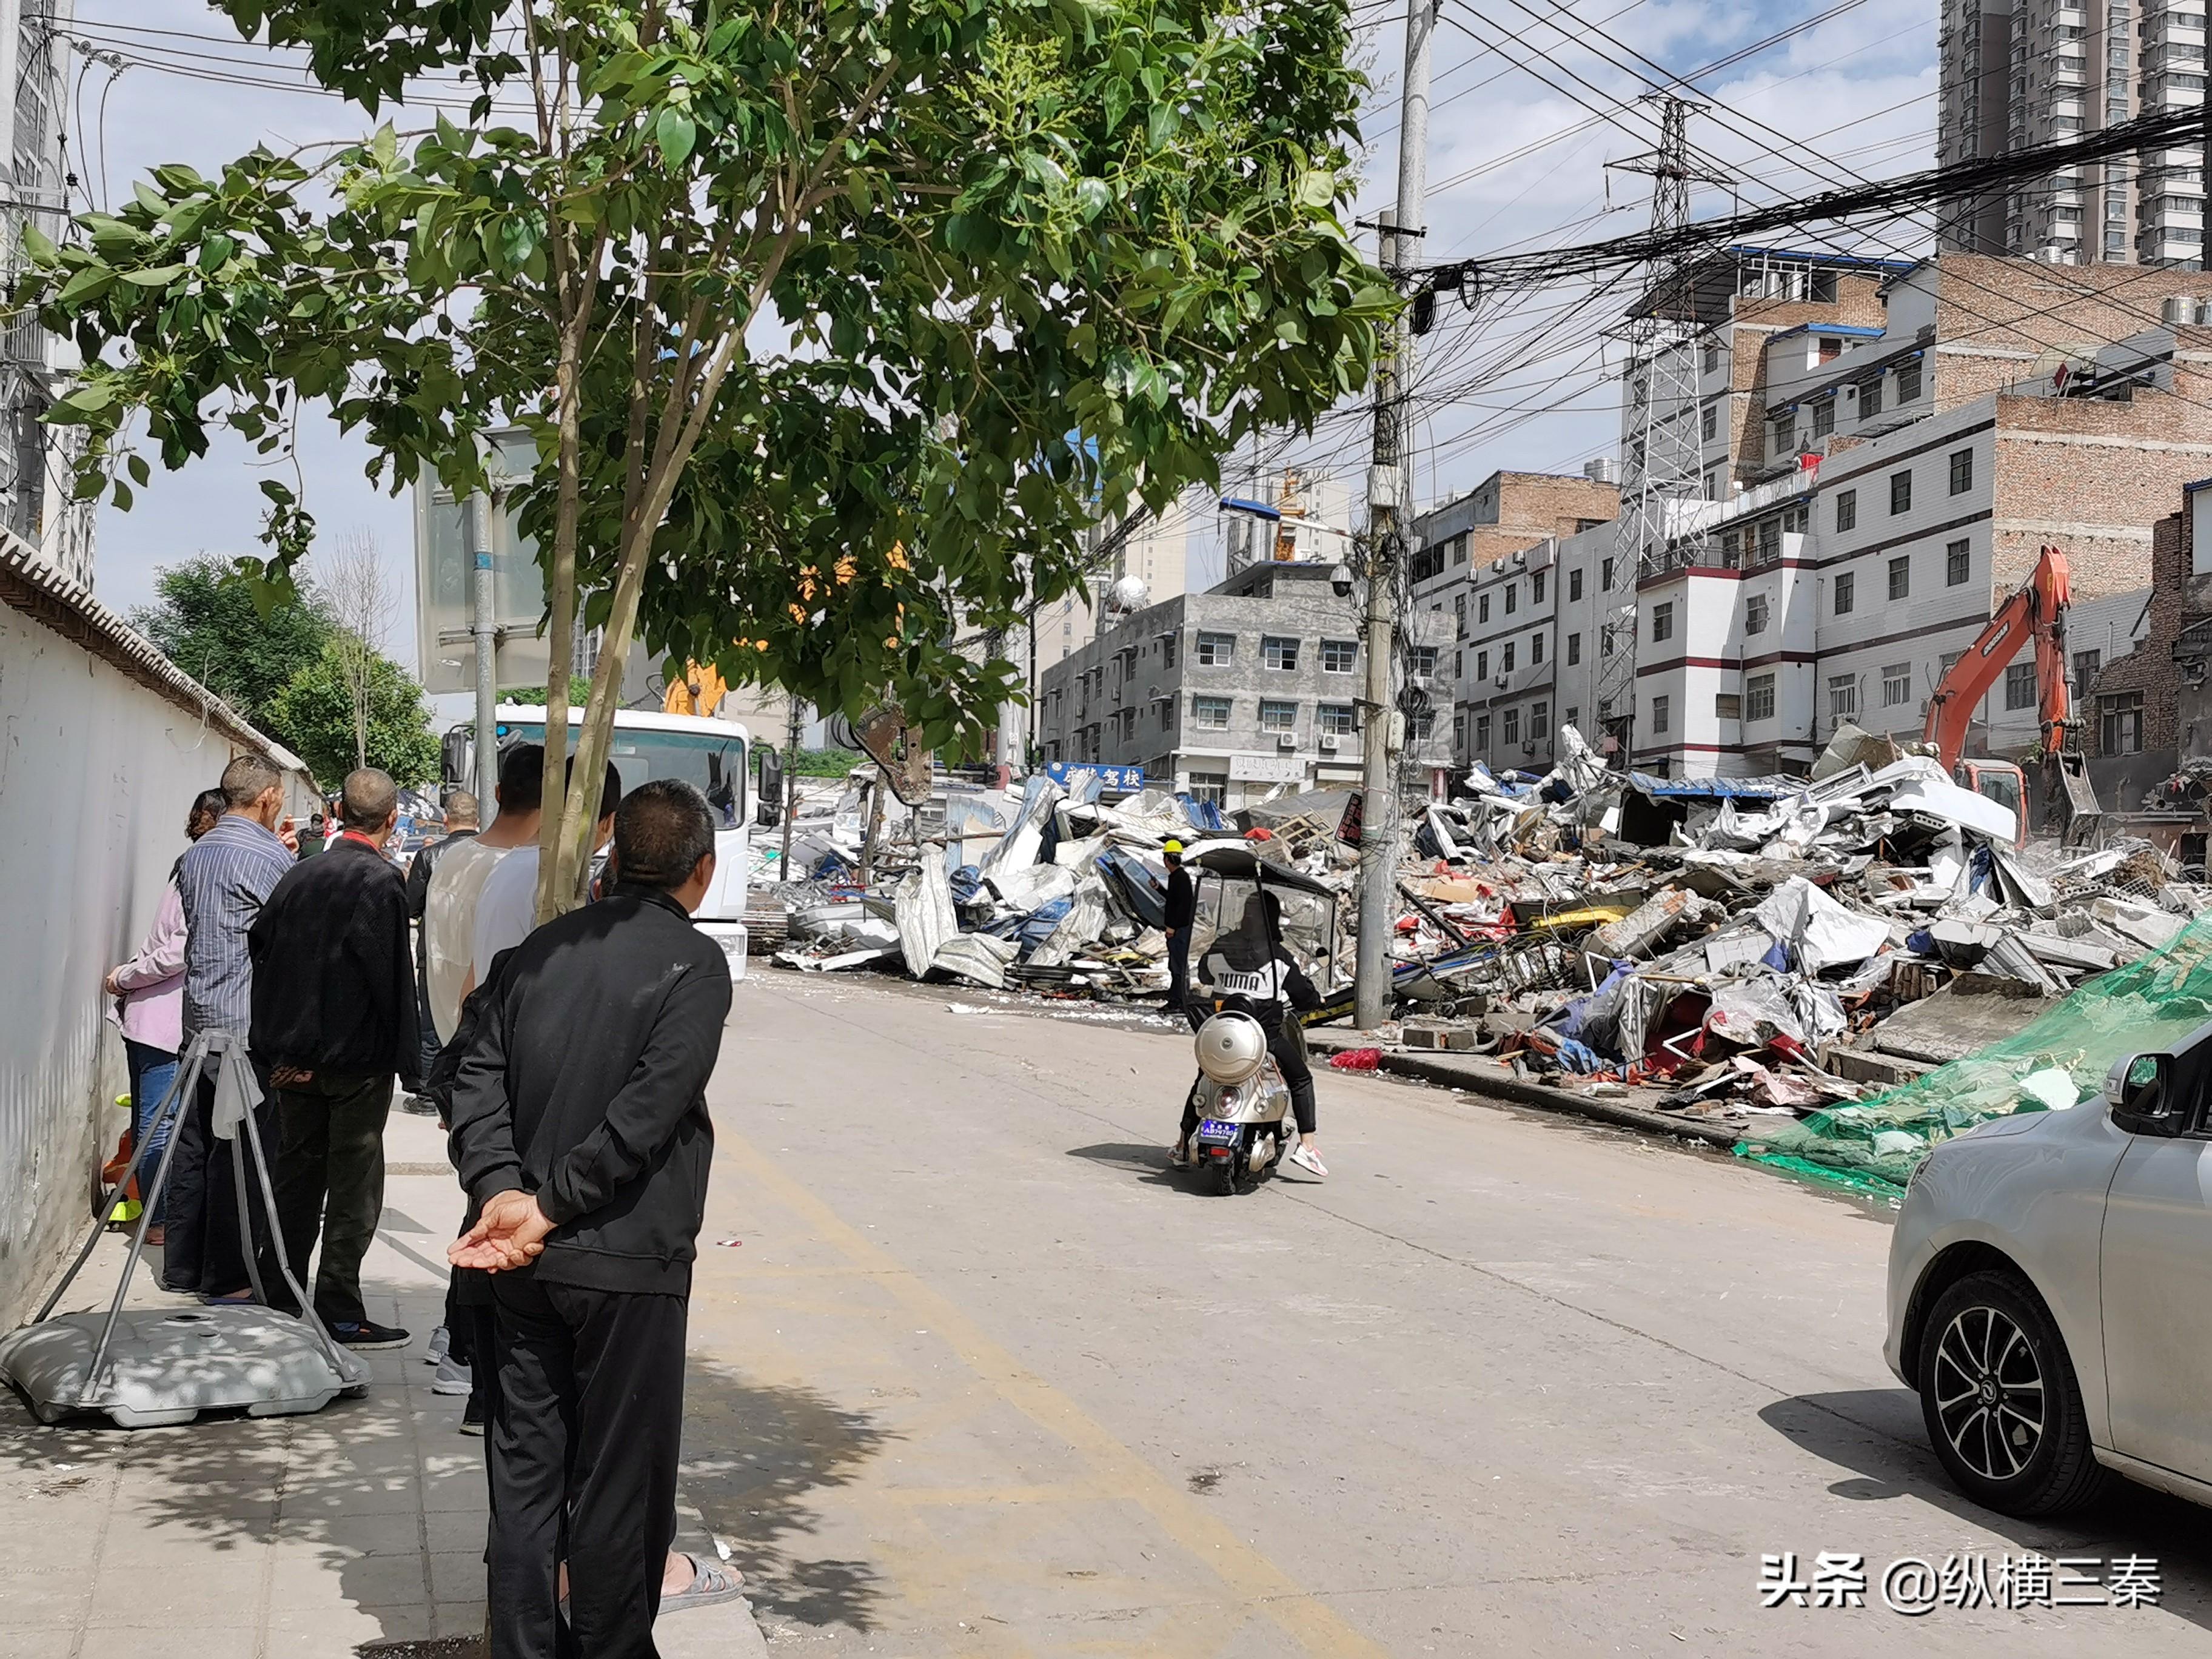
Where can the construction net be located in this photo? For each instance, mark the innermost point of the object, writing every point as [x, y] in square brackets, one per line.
[2061, 1060]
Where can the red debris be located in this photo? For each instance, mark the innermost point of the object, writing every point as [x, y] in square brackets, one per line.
[1356, 1060]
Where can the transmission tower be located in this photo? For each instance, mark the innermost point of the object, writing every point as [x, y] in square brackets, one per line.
[1660, 462]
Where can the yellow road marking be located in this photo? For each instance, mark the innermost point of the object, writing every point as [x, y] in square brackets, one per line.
[1120, 1472]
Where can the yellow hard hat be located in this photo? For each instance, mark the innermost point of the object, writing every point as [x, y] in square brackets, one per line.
[1172, 847]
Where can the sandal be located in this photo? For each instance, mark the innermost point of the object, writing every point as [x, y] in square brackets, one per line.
[712, 1585]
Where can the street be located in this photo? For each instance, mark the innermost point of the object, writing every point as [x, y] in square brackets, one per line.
[973, 1374]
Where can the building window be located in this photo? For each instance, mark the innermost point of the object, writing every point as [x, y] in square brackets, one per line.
[2020, 685]
[1536, 588]
[1962, 471]
[1900, 576]
[1482, 607]
[1482, 665]
[1279, 716]
[1482, 732]
[1754, 614]
[1210, 714]
[1605, 575]
[1712, 362]
[1333, 719]
[1574, 649]
[1896, 684]
[1573, 716]
[1785, 432]
[1845, 585]
[1338, 656]
[1539, 721]
[1709, 422]
[1605, 642]
[1459, 549]
[1424, 659]
[1830, 348]
[1511, 725]
[1279, 654]
[1459, 616]
[2087, 666]
[1535, 648]
[2120, 723]
[1661, 708]
[1662, 621]
[1847, 509]
[1505, 657]
[1958, 564]
[1758, 697]
[1900, 493]
[1870, 396]
[1512, 597]
[1727, 706]
[1211, 787]
[1574, 585]
[1167, 650]
[1459, 665]
[1842, 697]
[1824, 417]
[1216, 650]
[1770, 540]
[1908, 382]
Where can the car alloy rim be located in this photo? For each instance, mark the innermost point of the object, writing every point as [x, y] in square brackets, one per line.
[1989, 1393]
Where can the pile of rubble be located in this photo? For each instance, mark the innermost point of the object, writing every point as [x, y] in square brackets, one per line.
[1041, 887]
[1759, 948]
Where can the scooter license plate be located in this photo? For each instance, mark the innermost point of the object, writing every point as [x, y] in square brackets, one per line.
[1214, 1132]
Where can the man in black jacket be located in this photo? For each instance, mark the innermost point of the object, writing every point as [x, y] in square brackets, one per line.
[580, 1125]
[1181, 911]
[333, 1019]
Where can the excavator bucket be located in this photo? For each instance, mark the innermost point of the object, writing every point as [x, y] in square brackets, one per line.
[2081, 811]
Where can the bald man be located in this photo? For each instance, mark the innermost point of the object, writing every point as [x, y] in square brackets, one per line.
[334, 1019]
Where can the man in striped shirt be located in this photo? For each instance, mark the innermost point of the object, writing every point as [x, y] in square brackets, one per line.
[222, 881]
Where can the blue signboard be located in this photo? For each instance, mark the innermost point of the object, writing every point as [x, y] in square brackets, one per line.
[1125, 779]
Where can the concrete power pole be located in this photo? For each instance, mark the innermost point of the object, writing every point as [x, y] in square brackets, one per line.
[1389, 508]
[1661, 464]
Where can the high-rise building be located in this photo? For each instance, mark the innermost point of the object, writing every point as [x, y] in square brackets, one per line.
[2016, 73]
[35, 478]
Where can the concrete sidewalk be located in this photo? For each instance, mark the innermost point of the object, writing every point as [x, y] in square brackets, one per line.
[359, 1528]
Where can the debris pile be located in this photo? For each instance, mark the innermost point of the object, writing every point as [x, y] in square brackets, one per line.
[1766, 954]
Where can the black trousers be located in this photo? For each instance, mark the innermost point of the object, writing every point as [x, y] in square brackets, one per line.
[1178, 968]
[202, 1254]
[330, 1185]
[582, 1451]
[1288, 1045]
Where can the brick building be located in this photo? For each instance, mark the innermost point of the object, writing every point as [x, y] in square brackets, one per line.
[2150, 714]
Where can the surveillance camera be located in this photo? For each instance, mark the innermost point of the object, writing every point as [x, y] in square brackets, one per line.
[1340, 580]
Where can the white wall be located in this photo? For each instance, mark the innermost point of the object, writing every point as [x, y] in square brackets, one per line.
[97, 772]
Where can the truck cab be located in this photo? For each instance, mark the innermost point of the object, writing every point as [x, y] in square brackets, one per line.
[715, 755]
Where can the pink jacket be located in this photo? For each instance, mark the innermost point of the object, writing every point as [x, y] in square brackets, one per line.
[151, 1010]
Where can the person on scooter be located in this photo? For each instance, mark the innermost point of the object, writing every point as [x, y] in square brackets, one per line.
[1252, 963]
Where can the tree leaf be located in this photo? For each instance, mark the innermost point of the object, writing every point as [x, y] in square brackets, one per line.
[675, 133]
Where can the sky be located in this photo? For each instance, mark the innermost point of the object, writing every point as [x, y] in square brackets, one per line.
[1518, 383]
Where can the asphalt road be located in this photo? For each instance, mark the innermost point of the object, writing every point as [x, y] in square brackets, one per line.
[974, 1375]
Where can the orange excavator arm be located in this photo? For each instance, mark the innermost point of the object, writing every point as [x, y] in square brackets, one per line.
[2037, 609]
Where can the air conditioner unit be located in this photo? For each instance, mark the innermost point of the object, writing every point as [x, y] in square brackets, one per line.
[1286, 740]
[1329, 741]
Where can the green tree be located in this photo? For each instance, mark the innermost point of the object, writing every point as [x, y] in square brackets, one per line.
[1033, 258]
[208, 626]
[314, 716]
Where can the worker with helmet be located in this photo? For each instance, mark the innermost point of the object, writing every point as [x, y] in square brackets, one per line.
[1182, 910]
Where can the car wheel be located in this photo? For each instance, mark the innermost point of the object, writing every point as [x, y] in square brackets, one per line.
[2000, 1400]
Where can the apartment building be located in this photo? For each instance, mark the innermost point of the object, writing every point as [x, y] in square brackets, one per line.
[2015, 73]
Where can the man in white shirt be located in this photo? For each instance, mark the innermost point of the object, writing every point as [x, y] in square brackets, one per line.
[449, 909]
[507, 909]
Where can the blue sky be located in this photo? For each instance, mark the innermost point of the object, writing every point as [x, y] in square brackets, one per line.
[1863, 81]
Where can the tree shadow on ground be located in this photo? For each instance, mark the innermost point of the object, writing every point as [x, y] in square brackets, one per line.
[1877, 1434]
[352, 1490]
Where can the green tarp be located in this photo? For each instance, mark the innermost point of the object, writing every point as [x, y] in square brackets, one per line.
[2147, 1007]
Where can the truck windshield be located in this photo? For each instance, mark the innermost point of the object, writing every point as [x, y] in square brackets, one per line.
[715, 764]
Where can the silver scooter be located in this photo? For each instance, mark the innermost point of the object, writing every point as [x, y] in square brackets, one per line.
[1243, 1105]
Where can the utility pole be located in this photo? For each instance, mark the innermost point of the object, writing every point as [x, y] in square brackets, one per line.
[1389, 507]
[484, 626]
[791, 735]
[1660, 465]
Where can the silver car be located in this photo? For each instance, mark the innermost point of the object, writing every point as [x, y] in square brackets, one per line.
[2050, 1293]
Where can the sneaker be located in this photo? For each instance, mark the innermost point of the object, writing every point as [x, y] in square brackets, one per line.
[435, 1353]
[1309, 1161]
[419, 1105]
[472, 1417]
[452, 1378]
[368, 1335]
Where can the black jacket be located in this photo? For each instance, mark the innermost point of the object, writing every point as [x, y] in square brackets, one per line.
[1182, 903]
[586, 1084]
[333, 979]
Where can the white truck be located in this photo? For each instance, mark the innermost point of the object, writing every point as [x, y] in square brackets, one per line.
[715, 755]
